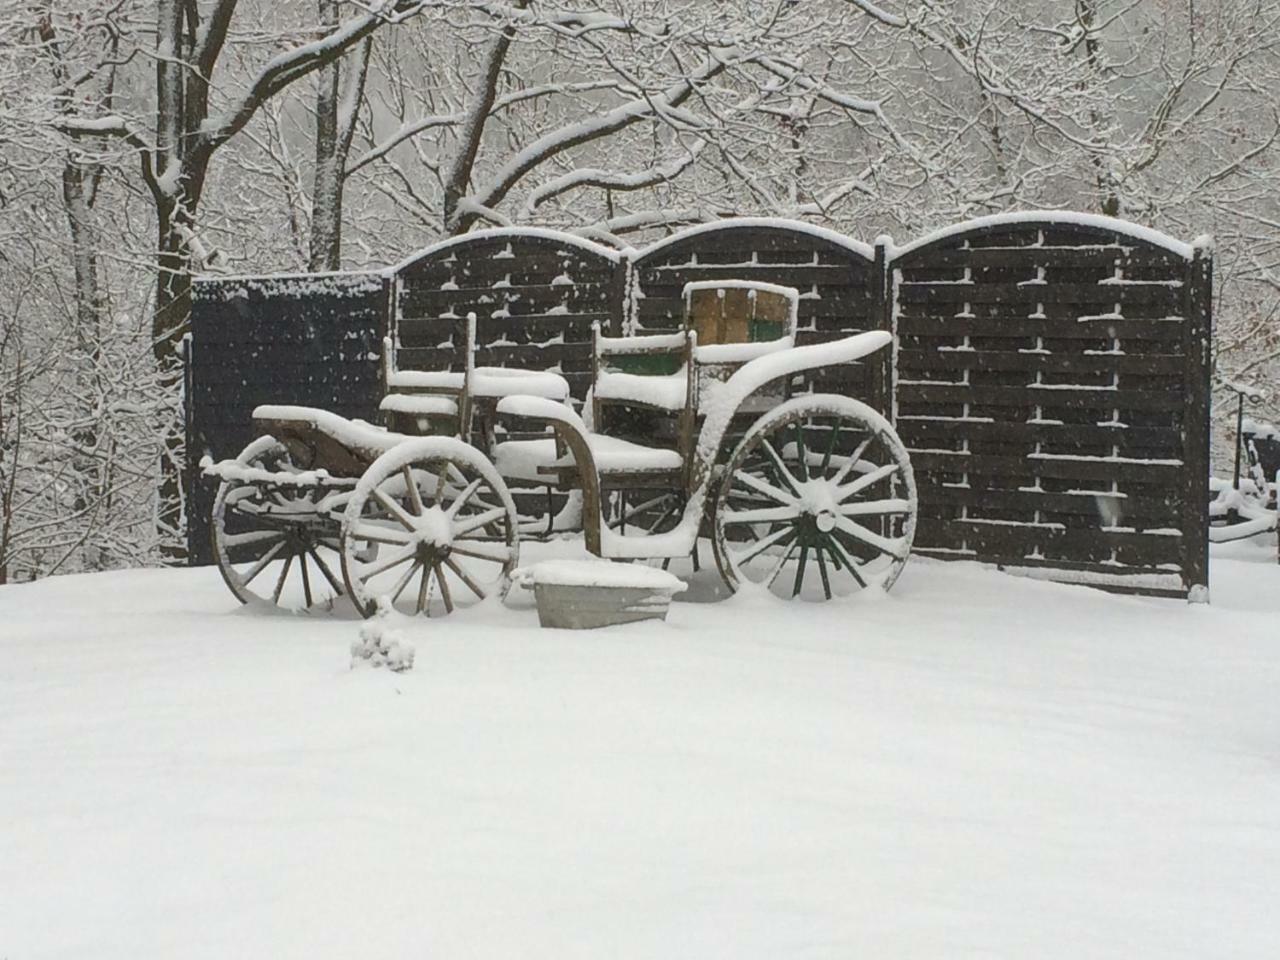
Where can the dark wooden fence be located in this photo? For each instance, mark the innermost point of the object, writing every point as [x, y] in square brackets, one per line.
[313, 340]
[535, 295]
[1052, 386]
[1050, 375]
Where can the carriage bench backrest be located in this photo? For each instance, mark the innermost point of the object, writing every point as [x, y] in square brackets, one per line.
[420, 401]
[739, 311]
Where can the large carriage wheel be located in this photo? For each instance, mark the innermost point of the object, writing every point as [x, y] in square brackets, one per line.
[817, 501]
[273, 542]
[444, 523]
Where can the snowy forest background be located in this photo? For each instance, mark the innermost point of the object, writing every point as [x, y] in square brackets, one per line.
[142, 141]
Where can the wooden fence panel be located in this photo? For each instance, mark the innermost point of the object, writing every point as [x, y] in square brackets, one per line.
[311, 340]
[1050, 374]
[535, 295]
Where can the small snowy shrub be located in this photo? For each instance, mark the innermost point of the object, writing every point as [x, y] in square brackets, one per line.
[380, 645]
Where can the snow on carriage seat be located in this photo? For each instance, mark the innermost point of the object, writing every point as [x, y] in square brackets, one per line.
[741, 352]
[507, 382]
[599, 573]
[419, 404]
[532, 459]
[525, 459]
[642, 343]
[489, 382]
[614, 455]
[352, 434]
[664, 391]
[426, 379]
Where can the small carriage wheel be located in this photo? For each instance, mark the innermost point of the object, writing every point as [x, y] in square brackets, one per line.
[817, 501]
[445, 525]
[275, 543]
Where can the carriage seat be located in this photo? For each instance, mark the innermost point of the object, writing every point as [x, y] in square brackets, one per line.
[490, 383]
[539, 460]
[319, 439]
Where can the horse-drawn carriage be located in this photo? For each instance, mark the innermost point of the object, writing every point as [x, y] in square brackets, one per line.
[704, 433]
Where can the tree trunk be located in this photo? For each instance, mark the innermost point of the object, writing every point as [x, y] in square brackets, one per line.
[336, 110]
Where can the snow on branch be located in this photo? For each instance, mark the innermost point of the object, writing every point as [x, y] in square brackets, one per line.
[592, 128]
[610, 179]
[283, 69]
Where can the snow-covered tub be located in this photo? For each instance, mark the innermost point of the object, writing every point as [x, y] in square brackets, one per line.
[583, 594]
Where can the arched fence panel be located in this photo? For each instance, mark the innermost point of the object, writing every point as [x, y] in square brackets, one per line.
[1052, 386]
[535, 295]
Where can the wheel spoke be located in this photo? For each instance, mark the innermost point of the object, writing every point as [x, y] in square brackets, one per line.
[892, 547]
[473, 549]
[479, 520]
[777, 569]
[395, 510]
[424, 589]
[875, 508]
[462, 499]
[822, 569]
[404, 580]
[761, 486]
[415, 498]
[388, 535]
[826, 460]
[854, 459]
[376, 567]
[784, 475]
[306, 579]
[762, 515]
[262, 562]
[867, 479]
[843, 559]
[760, 546]
[324, 569]
[284, 572]
[444, 589]
[802, 458]
[804, 555]
[465, 578]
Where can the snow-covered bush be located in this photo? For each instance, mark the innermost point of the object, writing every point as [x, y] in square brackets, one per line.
[380, 645]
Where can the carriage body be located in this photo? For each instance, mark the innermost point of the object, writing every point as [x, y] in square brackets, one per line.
[687, 436]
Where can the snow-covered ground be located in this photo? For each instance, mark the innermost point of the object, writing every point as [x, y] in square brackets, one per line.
[975, 766]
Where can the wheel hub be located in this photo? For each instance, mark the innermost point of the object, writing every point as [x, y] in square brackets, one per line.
[434, 530]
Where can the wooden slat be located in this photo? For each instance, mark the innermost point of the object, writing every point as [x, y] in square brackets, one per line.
[923, 433]
[1163, 474]
[1102, 295]
[1021, 397]
[1022, 326]
[909, 360]
[1087, 508]
[1076, 257]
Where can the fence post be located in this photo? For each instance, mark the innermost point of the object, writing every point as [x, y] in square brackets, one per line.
[621, 323]
[884, 376]
[1197, 346]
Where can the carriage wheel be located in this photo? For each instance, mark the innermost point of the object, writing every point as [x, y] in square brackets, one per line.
[445, 525]
[273, 543]
[817, 501]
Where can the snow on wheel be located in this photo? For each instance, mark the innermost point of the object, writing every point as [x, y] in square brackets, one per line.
[444, 525]
[817, 501]
[273, 541]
